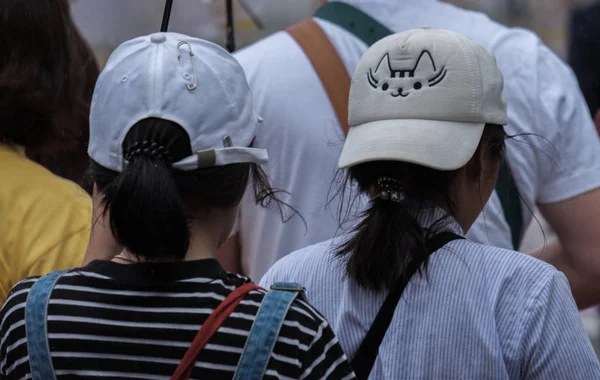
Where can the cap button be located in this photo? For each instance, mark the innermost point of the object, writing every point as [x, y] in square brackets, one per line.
[158, 38]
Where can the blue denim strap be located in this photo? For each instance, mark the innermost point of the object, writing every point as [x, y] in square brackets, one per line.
[36, 312]
[265, 330]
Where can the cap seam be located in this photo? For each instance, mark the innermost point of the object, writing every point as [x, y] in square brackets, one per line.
[230, 105]
[157, 71]
[475, 105]
[126, 128]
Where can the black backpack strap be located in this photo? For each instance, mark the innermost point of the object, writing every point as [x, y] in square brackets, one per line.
[369, 349]
[369, 30]
[354, 21]
[511, 203]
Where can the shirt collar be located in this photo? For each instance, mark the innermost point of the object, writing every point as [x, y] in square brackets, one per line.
[156, 273]
[433, 216]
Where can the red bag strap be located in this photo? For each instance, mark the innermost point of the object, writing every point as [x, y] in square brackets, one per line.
[209, 328]
[328, 65]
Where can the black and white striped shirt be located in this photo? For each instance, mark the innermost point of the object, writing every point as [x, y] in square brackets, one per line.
[110, 320]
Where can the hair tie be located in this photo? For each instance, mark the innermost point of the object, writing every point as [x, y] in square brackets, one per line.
[153, 151]
[390, 189]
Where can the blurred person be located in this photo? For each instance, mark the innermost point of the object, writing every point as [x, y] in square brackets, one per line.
[555, 163]
[408, 295]
[65, 154]
[47, 76]
[584, 55]
[171, 132]
[64, 151]
[202, 18]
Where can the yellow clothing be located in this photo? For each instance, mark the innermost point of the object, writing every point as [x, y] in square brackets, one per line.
[44, 220]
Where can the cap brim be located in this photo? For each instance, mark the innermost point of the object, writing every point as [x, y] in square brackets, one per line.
[442, 145]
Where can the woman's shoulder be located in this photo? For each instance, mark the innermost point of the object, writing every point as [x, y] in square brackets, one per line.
[305, 264]
[506, 274]
[307, 332]
[27, 176]
[13, 310]
[316, 253]
[18, 293]
[34, 196]
[504, 260]
[300, 313]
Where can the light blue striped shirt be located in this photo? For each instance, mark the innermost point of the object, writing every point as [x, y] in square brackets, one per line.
[485, 313]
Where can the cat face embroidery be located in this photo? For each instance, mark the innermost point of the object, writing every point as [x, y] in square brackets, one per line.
[403, 82]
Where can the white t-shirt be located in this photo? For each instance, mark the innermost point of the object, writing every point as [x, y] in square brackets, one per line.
[480, 313]
[304, 139]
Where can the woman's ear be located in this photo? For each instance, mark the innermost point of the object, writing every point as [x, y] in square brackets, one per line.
[475, 167]
[488, 174]
[484, 163]
[489, 165]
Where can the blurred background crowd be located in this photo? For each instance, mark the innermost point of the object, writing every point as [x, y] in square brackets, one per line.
[569, 27]
[550, 19]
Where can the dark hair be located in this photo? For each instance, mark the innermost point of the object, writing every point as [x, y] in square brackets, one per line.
[150, 204]
[388, 243]
[47, 77]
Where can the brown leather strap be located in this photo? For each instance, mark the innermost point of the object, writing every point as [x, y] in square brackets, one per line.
[209, 328]
[328, 65]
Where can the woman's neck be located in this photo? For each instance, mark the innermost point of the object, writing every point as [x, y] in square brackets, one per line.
[203, 245]
[206, 236]
[204, 242]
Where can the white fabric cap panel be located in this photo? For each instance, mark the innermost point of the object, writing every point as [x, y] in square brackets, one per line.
[189, 81]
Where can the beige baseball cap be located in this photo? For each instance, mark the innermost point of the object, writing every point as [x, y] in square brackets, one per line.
[422, 96]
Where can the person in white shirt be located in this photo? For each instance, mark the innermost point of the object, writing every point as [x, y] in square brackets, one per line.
[407, 294]
[558, 169]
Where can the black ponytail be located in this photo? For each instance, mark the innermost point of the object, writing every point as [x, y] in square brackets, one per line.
[146, 212]
[389, 241]
[150, 205]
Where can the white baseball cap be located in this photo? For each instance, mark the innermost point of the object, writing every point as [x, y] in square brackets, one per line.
[188, 81]
[422, 96]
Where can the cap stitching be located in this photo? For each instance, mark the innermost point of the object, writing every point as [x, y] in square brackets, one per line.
[230, 104]
[152, 100]
[156, 67]
[475, 105]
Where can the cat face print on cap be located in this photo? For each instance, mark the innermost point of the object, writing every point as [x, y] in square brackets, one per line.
[402, 81]
[424, 74]
[422, 96]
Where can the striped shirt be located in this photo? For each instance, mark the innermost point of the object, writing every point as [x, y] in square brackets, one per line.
[110, 320]
[482, 313]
